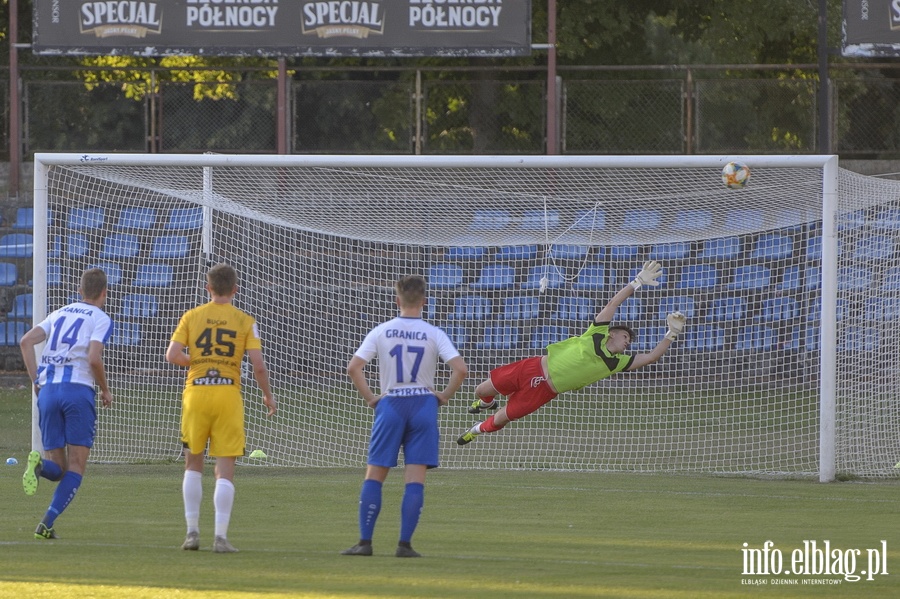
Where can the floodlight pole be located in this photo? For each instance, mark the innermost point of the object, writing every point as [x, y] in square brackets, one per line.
[552, 108]
[824, 95]
[15, 148]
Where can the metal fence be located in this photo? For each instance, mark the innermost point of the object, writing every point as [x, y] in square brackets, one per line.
[661, 110]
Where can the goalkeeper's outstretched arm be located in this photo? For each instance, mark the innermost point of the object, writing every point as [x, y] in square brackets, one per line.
[649, 274]
[676, 322]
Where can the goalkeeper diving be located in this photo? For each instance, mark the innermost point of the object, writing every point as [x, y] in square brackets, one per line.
[571, 364]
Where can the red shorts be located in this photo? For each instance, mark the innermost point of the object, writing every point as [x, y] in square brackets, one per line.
[524, 386]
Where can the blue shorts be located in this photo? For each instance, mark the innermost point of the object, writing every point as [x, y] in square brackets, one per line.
[68, 415]
[410, 422]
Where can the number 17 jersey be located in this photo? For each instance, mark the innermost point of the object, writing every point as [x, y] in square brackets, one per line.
[407, 350]
[216, 336]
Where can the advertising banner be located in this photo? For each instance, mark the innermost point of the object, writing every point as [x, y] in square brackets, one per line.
[381, 28]
[871, 28]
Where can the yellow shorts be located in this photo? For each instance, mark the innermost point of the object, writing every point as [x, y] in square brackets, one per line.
[214, 414]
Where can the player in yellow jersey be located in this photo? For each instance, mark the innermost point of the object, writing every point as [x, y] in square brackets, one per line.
[571, 364]
[216, 335]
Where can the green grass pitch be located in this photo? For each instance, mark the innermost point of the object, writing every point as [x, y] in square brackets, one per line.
[517, 534]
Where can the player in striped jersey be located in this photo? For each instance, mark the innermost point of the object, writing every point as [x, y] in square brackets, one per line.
[71, 365]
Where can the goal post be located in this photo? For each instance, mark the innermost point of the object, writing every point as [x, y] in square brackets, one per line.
[775, 278]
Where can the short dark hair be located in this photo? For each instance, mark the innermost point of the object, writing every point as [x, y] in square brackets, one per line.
[93, 282]
[221, 278]
[411, 289]
[626, 328]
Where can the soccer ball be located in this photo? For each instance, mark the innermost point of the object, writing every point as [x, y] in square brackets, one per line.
[735, 175]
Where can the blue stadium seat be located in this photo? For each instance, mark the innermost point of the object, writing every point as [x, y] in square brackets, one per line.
[888, 218]
[724, 309]
[521, 307]
[511, 253]
[891, 280]
[642, 220]
[647, 338]
[139, 305]
[772, 246]
[489, 220]
[744, 220]
[77, 246]
[170, 246]
[779, 308]
[692, 220]
[678, 250]
[722, 248]
[667, 305]
[499, 337]
[859, 339]
[86, 217]
[874, 247]
[882, 308]
[459, 335]
[790, 280]
[17, 245]
[154, 275]
[185, 219]
[624, 252]
[120, 246]
[113, 272]
[471, 307]
[495, 276]
[54, 274]
[575, 308]
[814, 247]
[547, 334]
[591, 277]
[850, 220]
[813, 278]
[851, 278]
[698, 276]
[539, 220]
[11, 332]
[445, 276]
[813, 340]
[9, 274]
[704, 337]
[755, 338]
[126, 333]
[549, 272]
[753, 277]
[589, 220]
[631, 310]
[137, 218]
[24, 218]
[461, 253]
[22, 306]
[568, 251]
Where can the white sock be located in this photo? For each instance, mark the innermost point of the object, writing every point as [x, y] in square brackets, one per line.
[477, 428]
[192, 491]
[223, 499]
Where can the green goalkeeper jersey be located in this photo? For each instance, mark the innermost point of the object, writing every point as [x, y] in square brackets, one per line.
[580, 361]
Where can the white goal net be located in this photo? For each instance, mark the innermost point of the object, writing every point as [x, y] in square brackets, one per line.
[787, 366]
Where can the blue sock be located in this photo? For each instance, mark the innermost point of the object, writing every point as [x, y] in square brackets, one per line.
[410, 509]
[369, 507]
[50, 470]
[62, 497]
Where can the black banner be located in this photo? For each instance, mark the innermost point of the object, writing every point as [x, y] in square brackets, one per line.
[381, 28]
[871, 28]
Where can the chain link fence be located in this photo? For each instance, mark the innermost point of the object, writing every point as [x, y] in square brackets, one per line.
[477, 111]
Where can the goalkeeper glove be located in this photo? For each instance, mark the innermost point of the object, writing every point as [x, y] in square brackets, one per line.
[648, 275]
[675, 320]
